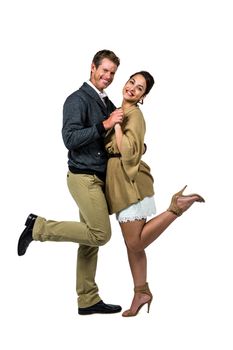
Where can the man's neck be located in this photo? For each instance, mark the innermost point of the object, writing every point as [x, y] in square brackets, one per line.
[93, 86]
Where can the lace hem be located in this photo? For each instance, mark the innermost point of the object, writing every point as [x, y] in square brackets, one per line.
[136, 218]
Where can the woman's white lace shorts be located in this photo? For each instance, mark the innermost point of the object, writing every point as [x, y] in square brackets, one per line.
[138, 211]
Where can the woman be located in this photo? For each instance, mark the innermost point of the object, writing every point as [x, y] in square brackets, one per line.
[129, 188]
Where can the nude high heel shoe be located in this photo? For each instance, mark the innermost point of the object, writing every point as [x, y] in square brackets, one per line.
[142, 290]
[188, 200]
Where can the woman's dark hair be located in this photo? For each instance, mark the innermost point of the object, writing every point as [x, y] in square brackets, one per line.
[100, 55]
[149, 80]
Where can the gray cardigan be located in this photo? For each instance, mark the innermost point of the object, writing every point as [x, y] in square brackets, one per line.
[83, 132]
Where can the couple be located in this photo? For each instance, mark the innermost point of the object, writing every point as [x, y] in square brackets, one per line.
[106, 175]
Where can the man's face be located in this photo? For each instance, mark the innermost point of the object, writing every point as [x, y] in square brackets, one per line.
[102, 76]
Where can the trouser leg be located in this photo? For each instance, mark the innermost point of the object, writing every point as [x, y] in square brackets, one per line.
[86, 287]
[92, 231]
[87, 191]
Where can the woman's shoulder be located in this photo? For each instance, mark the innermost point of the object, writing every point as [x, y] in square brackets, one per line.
[134, 113]
[133, 110]
[134, 116]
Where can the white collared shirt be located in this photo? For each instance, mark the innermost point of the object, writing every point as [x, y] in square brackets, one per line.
[101, 94]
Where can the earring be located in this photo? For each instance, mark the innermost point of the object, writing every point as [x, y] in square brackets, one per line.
[141, 101]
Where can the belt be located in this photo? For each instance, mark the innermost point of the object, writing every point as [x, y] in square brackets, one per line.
[114, 155]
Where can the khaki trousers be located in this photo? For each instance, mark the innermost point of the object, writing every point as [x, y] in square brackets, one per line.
[92, 231]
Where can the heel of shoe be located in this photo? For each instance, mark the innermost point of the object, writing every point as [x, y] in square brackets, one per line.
[173, 208]
[190, 199]
[148, 305]
[194, 197]
[30, 219]
[142, 290]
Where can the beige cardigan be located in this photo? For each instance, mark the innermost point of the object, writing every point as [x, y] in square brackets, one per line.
[128, 177]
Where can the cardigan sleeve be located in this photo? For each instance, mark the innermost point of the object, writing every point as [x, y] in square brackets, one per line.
[75, 131]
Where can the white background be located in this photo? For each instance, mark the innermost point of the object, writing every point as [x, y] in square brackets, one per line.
[46, 52]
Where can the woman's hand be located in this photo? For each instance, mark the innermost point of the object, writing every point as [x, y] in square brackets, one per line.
[114, 118]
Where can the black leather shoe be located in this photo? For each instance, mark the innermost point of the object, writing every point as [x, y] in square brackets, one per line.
[26, 237]
[99, 308]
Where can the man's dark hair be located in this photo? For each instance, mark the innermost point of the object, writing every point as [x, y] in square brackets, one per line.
[100, 55]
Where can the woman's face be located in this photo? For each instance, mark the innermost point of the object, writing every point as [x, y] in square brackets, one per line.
[134, 89]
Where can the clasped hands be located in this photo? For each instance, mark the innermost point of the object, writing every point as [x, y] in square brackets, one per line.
[116, 117]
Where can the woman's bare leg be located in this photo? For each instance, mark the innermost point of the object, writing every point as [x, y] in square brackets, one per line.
[138, 234]
[138, 266]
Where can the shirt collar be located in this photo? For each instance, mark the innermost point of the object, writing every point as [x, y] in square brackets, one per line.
[101, 94]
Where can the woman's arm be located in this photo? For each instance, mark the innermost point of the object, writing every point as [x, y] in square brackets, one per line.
[119, 135]
[129, 137]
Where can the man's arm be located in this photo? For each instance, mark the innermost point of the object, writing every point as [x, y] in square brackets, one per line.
[75, 133]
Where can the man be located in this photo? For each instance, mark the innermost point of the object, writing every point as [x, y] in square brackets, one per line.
[87, 114]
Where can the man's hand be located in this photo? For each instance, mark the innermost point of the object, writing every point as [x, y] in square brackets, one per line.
[114, 118]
